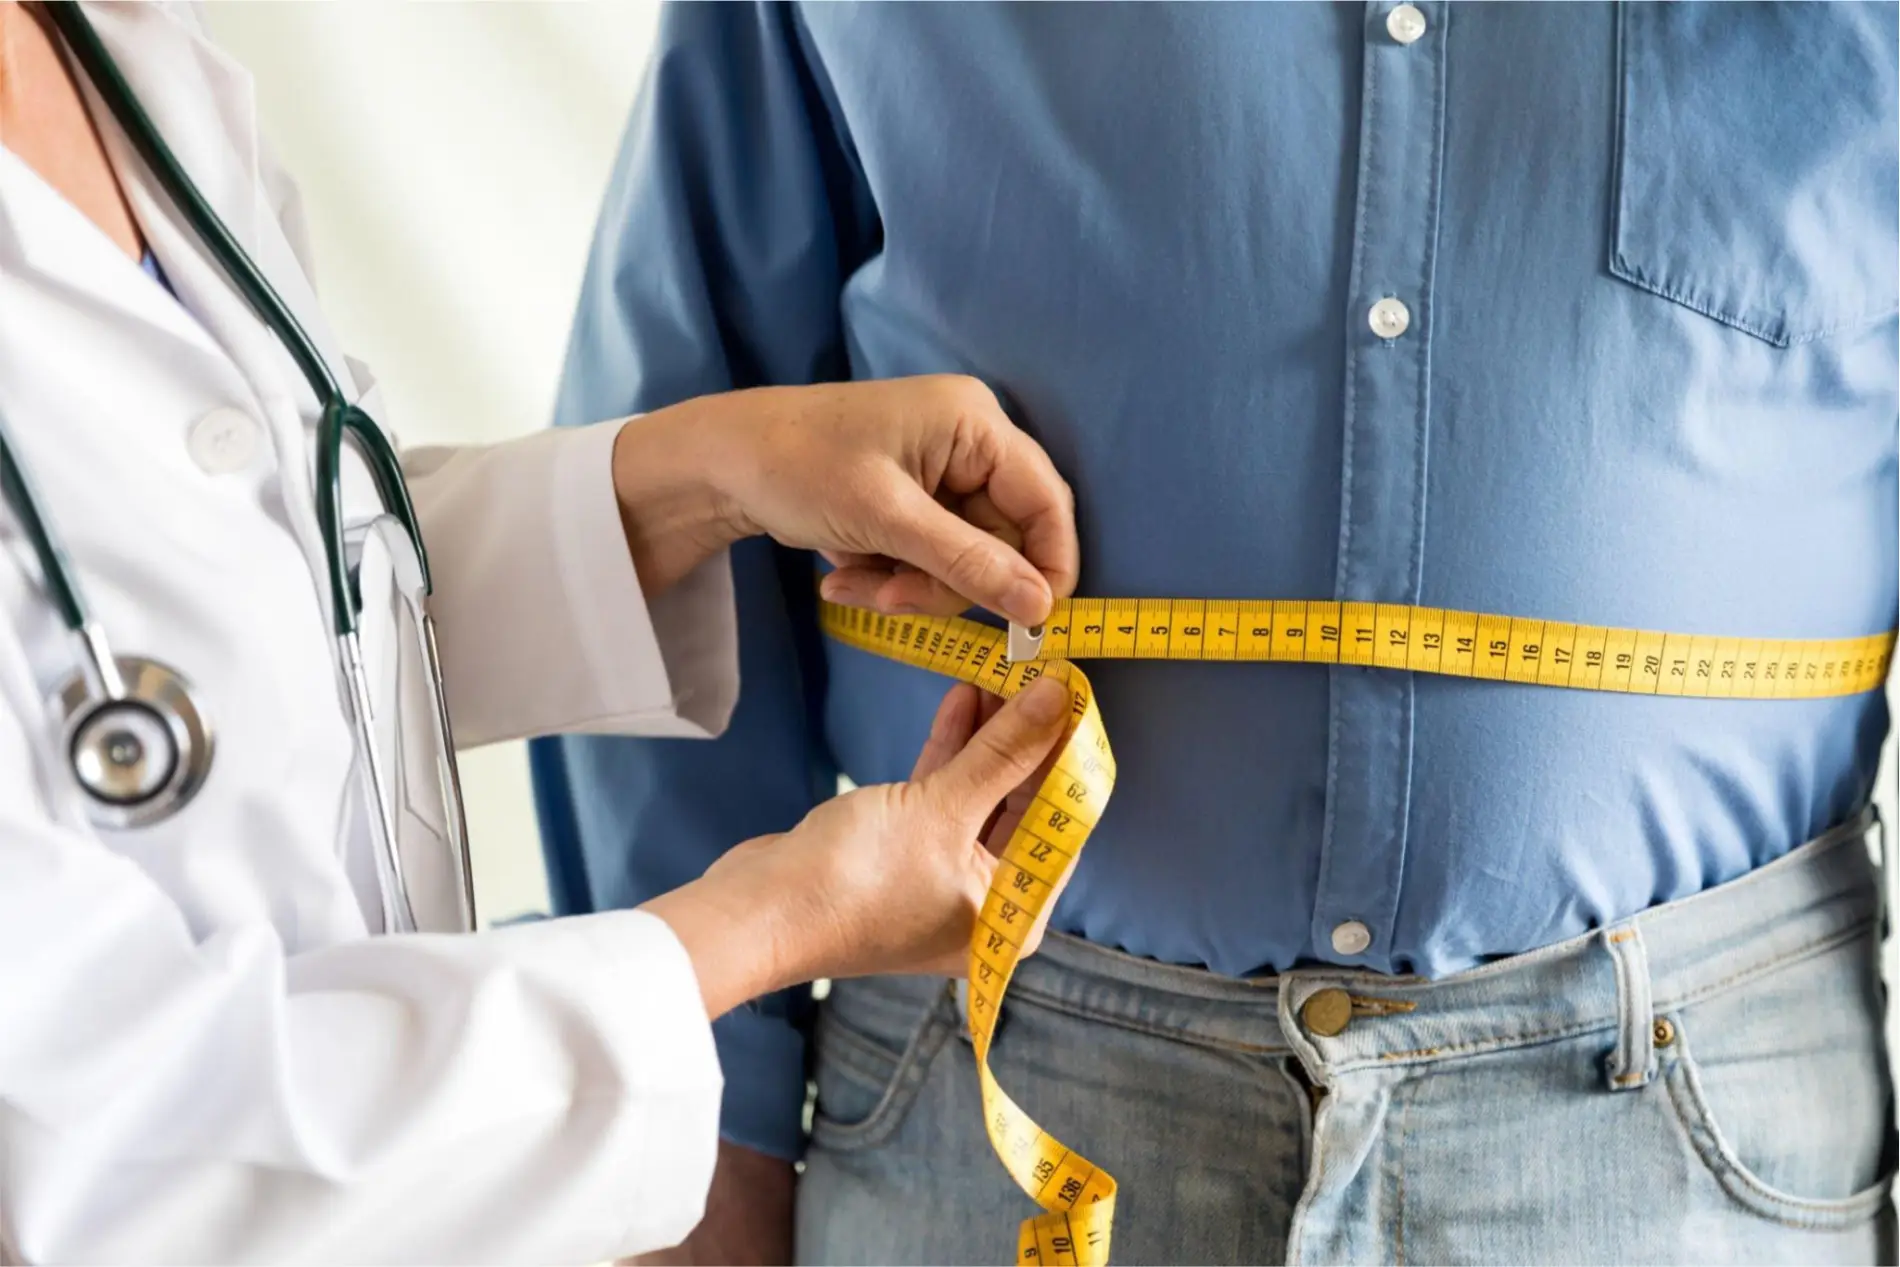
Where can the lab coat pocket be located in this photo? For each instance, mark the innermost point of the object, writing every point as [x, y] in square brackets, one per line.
[1756, 164]
[411, 750]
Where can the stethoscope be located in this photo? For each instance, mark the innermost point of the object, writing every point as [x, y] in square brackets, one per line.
[136, 739]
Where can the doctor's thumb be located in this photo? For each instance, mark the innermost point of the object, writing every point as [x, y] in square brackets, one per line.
[1005, 752]
[961, 559]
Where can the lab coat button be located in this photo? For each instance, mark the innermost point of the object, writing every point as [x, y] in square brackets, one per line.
[223, 441]
[1389, 318]
[1405, 24]
[1351, 938]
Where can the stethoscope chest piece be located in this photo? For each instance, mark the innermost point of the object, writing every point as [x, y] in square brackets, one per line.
[139, 755]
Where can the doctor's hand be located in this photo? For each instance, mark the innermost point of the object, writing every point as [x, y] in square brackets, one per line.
[885, 879]
[921, 492]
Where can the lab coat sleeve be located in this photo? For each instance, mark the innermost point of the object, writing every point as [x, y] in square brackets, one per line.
[545, 1093]
[538, 608]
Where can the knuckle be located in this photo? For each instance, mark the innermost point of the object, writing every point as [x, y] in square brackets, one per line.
[1006, 757]
[986, 758]
[863, 475]
[971, 564]
[965, 389]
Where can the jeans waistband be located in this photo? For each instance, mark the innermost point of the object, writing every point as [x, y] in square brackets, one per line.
[1818, 895]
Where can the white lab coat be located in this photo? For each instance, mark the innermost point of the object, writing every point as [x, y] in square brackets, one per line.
[204, 1054]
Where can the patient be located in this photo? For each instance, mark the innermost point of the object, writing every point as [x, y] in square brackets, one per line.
[1576, 312]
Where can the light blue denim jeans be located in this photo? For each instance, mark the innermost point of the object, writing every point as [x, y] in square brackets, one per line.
[1706, 1082]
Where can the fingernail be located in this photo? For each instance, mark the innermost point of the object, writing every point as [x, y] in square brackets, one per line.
[902, 609]
[828, 587]
[1045, 700]
[1026, 601]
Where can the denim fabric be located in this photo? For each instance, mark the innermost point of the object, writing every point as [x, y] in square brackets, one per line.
[1705, 1082]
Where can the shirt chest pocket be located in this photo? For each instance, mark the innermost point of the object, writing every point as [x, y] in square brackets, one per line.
[1756, 164]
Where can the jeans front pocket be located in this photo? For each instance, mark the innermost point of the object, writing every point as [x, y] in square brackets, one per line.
[1782, 1087]
[1756, 164]
[876, 1040]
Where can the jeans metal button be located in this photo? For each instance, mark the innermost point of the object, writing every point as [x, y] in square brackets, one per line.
[1327, 1012]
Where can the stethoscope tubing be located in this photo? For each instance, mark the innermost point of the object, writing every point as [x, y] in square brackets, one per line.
[340, 418]
[102, 674]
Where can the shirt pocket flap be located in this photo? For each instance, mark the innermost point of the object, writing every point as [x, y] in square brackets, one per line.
[1757, 164]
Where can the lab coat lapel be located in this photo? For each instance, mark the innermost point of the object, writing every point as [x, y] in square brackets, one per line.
[53, 239]
[200, 99]
[204, 105]
[44, 235]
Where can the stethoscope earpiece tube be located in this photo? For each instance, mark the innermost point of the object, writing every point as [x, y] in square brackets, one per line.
[339, 416]
[84, 43]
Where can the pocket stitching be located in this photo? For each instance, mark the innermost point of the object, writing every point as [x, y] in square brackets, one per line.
[1697, 1120]
[862, 1059]
[1621, 267]
[1767, 967]
[900, 1093]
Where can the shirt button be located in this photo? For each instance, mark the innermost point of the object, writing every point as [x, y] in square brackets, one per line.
[1405, 24]
[1389, 318]
[1327, 1012]
[223, 441]
[1351, 938]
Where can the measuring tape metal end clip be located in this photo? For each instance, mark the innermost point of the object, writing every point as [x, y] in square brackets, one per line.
[1025, 642]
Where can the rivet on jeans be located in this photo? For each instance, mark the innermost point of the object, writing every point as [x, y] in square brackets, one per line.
[1663, 1031]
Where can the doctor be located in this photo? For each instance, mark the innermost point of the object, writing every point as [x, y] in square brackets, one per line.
[204, 1052]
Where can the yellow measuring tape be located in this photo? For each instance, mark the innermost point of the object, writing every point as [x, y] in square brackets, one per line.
[1077, 1197]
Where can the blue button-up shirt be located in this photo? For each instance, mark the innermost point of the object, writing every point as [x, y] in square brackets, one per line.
[1637, 367]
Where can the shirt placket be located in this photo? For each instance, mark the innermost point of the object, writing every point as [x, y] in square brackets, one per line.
[1382, 493]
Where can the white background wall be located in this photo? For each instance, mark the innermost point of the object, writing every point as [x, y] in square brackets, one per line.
[451, 159]
[451, 156]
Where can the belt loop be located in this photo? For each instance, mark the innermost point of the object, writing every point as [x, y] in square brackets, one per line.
[1633, 1063]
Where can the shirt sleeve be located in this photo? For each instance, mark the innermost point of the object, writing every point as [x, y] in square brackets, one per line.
[546, 1093]
[734, 213]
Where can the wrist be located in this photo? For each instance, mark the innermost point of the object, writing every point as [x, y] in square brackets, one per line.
[740, 931]
[672, 472]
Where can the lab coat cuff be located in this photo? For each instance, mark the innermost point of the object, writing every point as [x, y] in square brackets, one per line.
[692, 627]
[656, 1053]
[764, 1101]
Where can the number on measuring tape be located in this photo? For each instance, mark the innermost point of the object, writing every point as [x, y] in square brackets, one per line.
[1077, 1199]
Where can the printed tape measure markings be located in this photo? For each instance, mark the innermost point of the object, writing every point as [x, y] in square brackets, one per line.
[1078, 1197]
